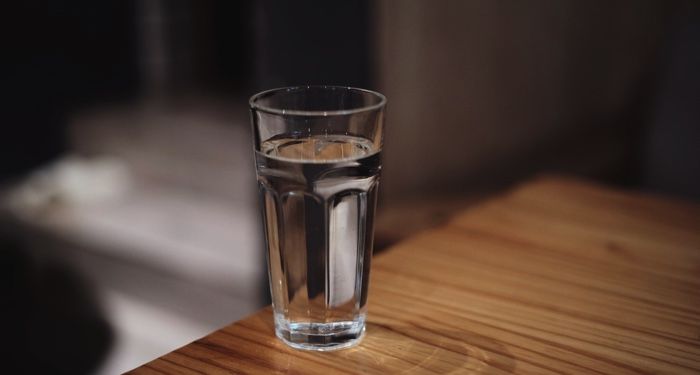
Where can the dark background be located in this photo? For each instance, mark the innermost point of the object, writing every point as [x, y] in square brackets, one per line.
[481, 96]
[72, 55]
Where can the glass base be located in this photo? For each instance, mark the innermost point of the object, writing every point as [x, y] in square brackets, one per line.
[320, 336]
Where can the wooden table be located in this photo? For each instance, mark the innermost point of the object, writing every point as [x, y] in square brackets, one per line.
[554, 276]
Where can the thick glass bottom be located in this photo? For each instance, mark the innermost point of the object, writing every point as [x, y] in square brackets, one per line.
[320, 336]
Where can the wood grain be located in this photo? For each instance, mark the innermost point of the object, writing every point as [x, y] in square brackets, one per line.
[555, 276]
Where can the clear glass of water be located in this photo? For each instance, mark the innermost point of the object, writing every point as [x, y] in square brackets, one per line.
[318, 158]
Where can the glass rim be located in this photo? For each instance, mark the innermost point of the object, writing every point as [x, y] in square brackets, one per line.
[296, 112]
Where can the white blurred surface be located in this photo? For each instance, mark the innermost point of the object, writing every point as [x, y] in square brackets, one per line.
[159, 213]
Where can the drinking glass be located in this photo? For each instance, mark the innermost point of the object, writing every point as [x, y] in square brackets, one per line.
[318, 158]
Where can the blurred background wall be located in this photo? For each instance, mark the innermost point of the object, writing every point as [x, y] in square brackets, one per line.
[129, 221]
[496, 91]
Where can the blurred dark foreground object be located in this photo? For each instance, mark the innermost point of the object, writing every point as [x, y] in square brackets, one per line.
[52, 322]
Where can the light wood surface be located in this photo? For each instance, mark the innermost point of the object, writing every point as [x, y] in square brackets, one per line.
[556, 276]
